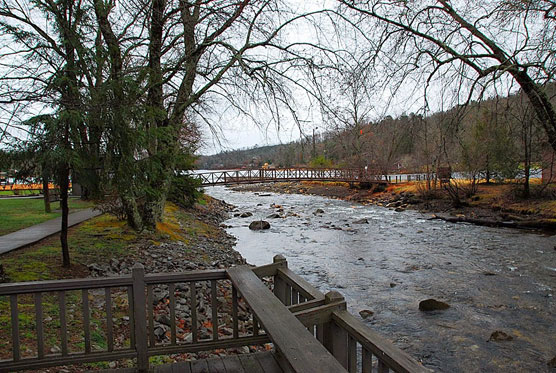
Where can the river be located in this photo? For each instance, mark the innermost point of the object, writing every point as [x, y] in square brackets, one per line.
[493, 279]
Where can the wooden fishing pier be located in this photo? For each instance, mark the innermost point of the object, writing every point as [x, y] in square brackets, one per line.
[303, 329]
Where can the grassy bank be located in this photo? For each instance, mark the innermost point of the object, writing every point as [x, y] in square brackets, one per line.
[18, 213]
[19, 192]
[98, 241]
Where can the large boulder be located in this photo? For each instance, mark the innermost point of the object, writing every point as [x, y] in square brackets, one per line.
[432, 305]
[499, 336]
[259, 225]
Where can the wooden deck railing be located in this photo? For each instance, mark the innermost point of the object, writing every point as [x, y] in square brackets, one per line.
[138, 310]
[128, 320]
[357, 347]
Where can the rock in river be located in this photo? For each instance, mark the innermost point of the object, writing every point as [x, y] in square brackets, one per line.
[259, 225]
[432, 305]
[246, 215]
[500, 336]
[318, 211]
[274, 216]
[361, 221]
[366, 314]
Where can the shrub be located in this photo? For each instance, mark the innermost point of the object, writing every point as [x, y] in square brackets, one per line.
[321, 162]
[184, 190]
[112, 204]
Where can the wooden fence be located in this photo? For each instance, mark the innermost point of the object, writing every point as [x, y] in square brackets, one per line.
[349, 340]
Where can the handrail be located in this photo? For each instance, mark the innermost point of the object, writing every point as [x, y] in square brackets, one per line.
[299, 349]
[114, 281]
[303, 287]
[140, 312]
[289, 174]
[63, 285]
[372, 342]
[348, 339]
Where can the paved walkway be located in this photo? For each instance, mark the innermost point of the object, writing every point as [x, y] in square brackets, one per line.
[35, 233]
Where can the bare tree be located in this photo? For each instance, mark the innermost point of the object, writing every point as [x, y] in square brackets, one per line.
[477, 45]
[185, 56]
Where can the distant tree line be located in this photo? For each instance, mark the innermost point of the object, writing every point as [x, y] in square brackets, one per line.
[494, 139]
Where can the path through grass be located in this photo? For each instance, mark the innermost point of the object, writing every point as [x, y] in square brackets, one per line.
[16, 214]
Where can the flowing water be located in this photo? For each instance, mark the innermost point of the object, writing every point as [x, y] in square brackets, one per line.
[493, 279]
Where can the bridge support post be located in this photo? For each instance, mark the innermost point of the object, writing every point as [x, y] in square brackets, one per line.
[280, 286]
[335, 339]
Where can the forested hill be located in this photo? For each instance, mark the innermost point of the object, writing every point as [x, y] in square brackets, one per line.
[499, 135]
[253, 157]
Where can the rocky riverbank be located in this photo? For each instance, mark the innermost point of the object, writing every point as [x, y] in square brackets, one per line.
[212, 249]
[481, 209]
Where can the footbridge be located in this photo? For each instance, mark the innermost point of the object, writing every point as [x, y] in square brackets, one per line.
[289, 174]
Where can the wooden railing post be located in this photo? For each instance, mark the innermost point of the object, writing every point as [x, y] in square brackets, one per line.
[280, 286]
[140, 317]
[335, 338]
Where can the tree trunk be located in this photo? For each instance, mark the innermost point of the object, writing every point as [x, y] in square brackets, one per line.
[132, 214]
[46, 193]
[153, 210]
[152, 213]
[534, 91]
[428, 171]
[526, 189]
[487, 176]
[64, 184]
[527, 165]
[541, 104]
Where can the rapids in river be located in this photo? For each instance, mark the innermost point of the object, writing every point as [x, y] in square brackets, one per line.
[493, 279]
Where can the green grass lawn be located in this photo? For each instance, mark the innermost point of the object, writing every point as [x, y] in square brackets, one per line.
[17, 214]
[22, 192]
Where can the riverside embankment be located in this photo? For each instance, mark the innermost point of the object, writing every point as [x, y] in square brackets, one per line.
[493, 205]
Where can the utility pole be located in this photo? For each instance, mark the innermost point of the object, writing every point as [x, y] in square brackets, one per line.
[314, 148]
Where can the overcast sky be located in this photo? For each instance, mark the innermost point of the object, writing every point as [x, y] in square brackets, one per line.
[237, 131]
